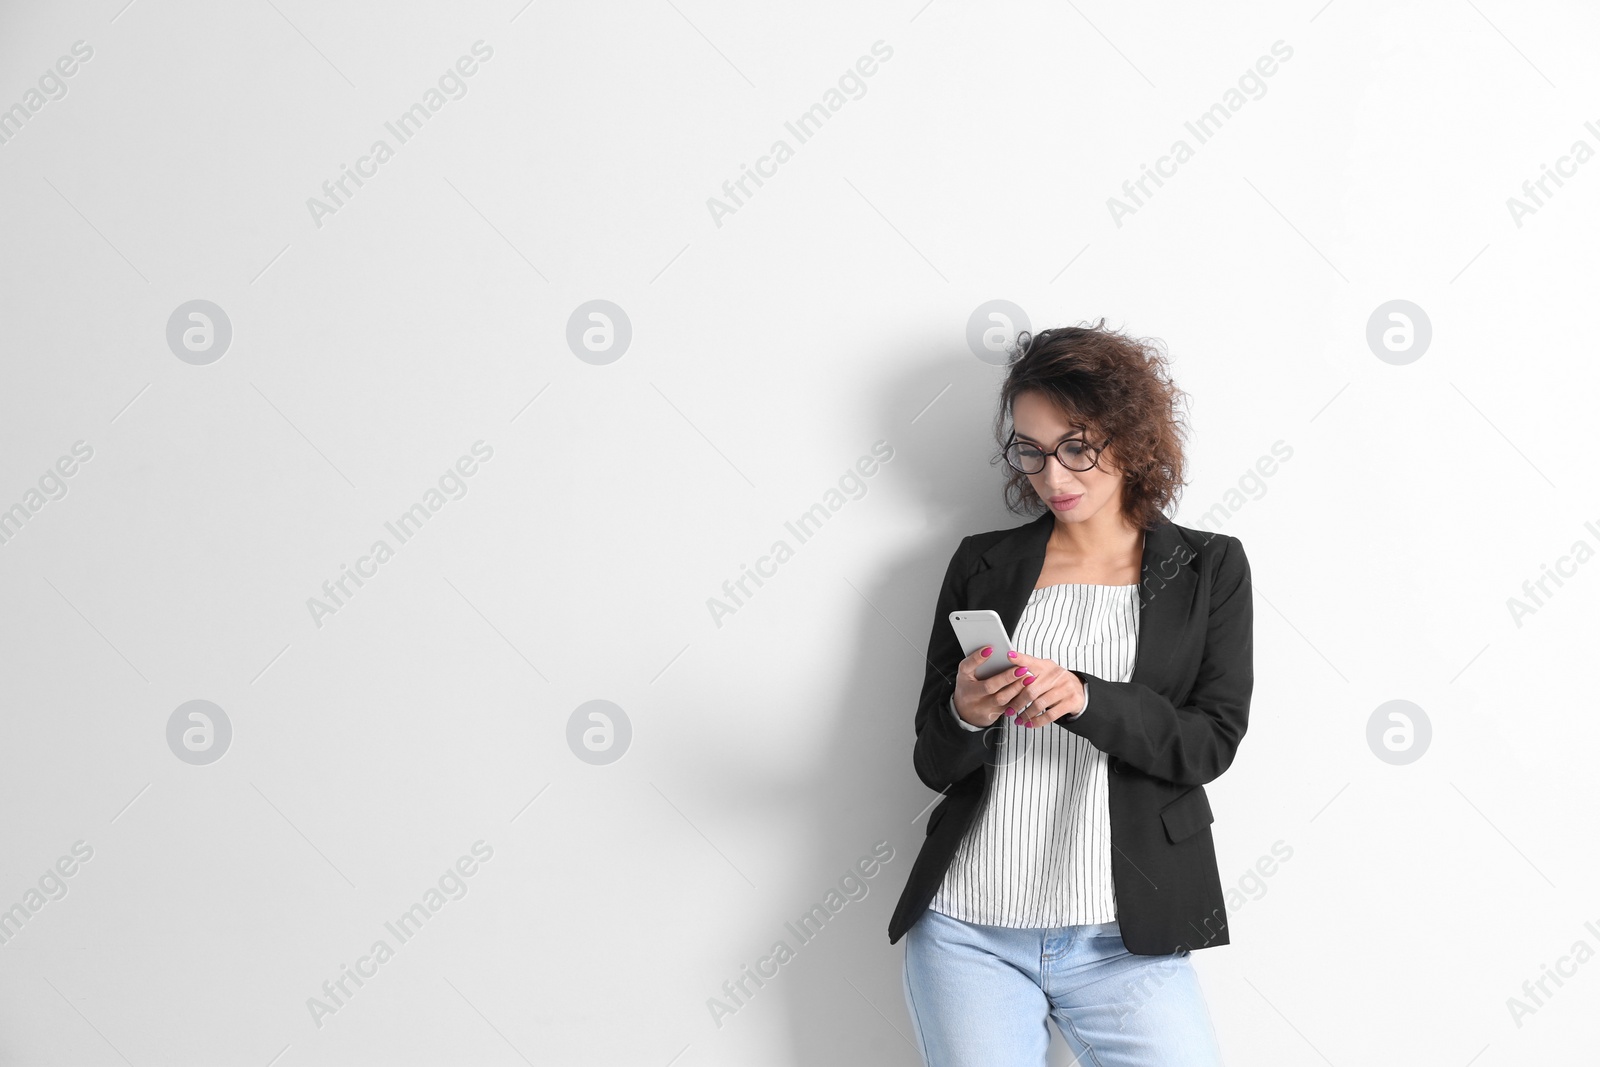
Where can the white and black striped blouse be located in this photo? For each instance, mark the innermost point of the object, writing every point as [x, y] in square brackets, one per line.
[1038, 854]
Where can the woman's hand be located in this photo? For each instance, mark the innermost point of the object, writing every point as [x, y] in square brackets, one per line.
[1054, 691]
[980, 701]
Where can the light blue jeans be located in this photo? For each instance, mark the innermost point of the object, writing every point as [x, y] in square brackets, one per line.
[979, 996]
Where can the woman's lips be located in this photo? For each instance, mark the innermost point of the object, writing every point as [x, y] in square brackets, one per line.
[1065, 503]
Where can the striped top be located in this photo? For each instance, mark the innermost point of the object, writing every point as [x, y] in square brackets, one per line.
[1038, 854]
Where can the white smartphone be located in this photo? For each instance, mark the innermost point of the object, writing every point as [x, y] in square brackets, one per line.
[975, 629]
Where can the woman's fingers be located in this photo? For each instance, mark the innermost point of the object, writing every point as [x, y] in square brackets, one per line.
[1038, 711]
[1033, 663]
[1052, 691]
[1038, 685]
[997, 690]
[1054, 697]
[978, 657]
[1007, 686]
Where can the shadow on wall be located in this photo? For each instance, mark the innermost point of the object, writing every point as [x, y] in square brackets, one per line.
[864, 806]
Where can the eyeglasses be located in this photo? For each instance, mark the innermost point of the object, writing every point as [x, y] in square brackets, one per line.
[1074, 453]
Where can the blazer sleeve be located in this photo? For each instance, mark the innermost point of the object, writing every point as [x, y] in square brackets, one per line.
[1195, 743]
[945, 753]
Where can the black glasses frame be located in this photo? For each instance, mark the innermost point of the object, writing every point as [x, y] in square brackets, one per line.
[1060, 458]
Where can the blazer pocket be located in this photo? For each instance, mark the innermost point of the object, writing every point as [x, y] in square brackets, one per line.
[1187, 815]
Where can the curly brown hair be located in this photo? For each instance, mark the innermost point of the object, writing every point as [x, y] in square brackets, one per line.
[1119, 388]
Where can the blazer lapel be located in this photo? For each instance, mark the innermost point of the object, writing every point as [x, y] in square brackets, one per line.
[1167, 586]
[1014, 563]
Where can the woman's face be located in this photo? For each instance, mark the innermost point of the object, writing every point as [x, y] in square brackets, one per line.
[1072, 496]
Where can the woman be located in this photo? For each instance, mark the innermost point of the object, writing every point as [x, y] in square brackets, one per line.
[1069, 872]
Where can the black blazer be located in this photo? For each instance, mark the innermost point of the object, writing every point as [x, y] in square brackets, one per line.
[1175, 726]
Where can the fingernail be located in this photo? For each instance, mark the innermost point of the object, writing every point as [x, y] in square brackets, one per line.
[1012, 654]
[1020, 671]
[1028, 680]
[985, 650]
[1010, 712]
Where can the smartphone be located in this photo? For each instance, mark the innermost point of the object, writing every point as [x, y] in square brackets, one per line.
[975, 629]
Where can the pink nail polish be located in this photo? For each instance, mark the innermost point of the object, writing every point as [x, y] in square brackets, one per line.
[1019, 672]
[1013, 654]
[986, 650]
[1029, 680]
